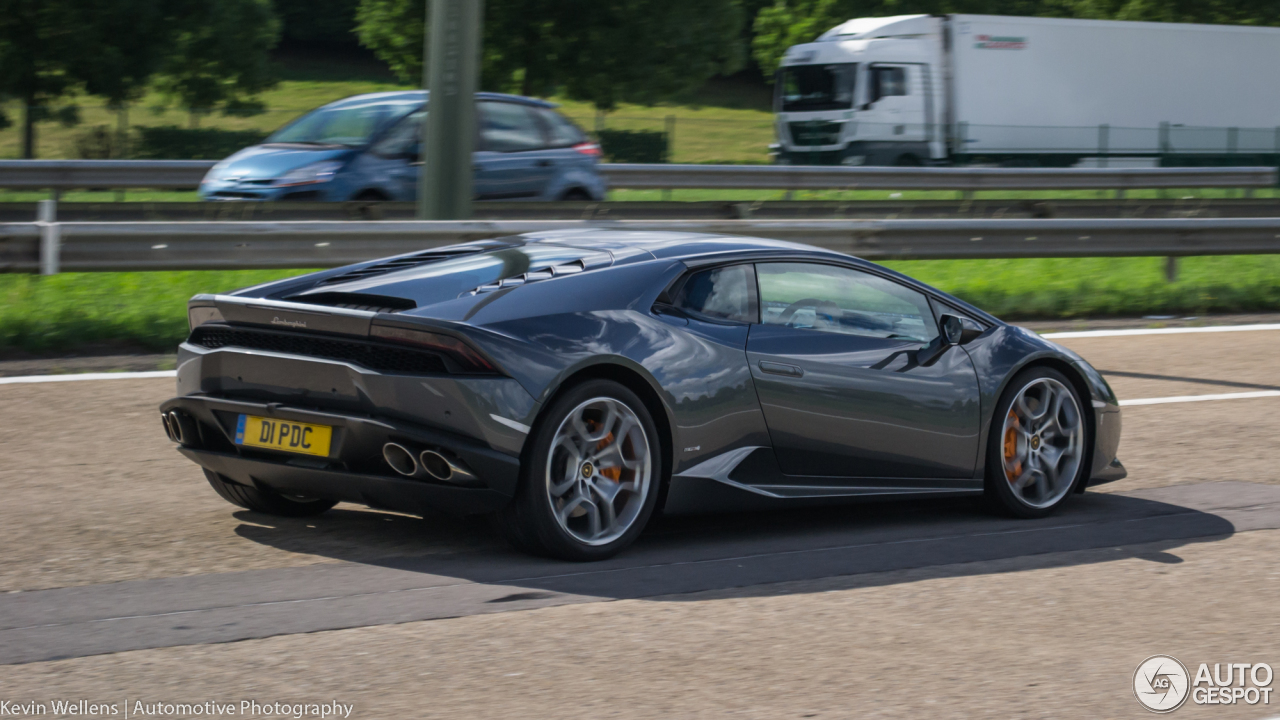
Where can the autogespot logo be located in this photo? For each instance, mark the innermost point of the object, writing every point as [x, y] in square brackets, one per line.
[1160, 683]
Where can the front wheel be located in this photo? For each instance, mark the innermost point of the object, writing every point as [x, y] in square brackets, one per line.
[1036, 451]
[590, 480]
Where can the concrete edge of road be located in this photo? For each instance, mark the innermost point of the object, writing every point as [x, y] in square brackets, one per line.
[1158, 331]
[73, 377]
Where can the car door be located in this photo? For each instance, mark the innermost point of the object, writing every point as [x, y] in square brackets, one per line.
[836, 362]
[513, 161]
[393, 162]
[894, 107]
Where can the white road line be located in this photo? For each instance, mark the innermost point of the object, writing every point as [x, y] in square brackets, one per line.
[1202, 398]
[87, 376]
[1159, 331]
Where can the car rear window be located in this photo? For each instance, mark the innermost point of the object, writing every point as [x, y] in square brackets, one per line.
[721, 293]
[563, 133]
[509, 127]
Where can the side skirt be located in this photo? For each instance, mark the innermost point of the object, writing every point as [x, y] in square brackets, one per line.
[747, 478]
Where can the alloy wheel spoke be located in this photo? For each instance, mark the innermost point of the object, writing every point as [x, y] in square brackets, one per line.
[607, 489]
[1052, 428]
[607, 471]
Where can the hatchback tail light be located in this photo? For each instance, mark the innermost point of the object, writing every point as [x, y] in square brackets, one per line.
[589, 148]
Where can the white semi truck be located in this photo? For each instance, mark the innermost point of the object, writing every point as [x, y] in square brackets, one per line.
[1024, 91]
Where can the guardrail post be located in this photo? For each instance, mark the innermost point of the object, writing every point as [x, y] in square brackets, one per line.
[1171, 269]
[50, 236]
[1104, 136]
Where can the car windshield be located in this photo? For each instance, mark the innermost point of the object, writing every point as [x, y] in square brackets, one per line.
[350, 125]
[805, 88]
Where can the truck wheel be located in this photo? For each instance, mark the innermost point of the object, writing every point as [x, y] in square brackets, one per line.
[591, 476]
[266, 501]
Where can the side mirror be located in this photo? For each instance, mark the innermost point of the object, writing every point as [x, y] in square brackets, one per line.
[958, 331]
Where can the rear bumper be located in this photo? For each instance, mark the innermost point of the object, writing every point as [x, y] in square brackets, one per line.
[354, 471]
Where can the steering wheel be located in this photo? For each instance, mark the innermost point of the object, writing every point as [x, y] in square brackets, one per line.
[825, 306]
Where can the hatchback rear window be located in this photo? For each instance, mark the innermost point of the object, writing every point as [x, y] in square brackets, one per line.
[563, 133]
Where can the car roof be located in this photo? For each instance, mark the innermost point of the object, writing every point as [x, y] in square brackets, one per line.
[421, 96]
[692, 248]
[677, 245]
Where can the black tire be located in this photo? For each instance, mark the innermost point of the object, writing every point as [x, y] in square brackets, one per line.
[575, 195]
[266, 501]
[530, 523]
[1000, 488]
[907, 160]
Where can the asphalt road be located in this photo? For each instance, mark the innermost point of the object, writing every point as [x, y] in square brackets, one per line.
[124, 576]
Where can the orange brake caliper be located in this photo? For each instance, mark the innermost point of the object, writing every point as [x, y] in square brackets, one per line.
[1011, 449]
[612, 473]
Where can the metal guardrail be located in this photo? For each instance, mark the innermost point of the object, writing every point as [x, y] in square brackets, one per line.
[60, 175]
[52, 246]
[797, 177]
[993, 208]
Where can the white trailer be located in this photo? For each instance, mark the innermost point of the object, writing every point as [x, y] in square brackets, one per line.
[922, 89]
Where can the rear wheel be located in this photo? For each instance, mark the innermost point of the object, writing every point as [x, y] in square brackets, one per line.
[591, 478]
[1036, 451]
[575, 195]
[267, 501]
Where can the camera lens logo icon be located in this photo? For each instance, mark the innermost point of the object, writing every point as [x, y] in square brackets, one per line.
[1161, 683]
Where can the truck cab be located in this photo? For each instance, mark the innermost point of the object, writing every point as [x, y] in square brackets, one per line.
[870, 91]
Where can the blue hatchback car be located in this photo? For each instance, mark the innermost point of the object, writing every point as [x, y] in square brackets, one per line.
[367, 148]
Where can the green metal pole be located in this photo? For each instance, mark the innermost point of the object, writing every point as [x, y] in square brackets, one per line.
[452, 67]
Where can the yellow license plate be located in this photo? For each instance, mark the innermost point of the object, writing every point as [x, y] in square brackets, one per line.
[286, 435]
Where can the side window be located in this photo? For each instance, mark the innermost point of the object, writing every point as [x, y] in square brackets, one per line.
[403, 139]
[561, 132]
[887, 81]
[834, 299]
[726, 293]
[509, 127]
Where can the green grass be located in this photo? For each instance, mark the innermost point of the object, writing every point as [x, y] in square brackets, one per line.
[147, 311]
[1094, 287]
[138, 311]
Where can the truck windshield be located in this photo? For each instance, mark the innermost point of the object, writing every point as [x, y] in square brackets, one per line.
[350, 125]
[805, 88]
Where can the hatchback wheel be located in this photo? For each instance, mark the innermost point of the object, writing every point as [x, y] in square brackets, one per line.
[591, 476]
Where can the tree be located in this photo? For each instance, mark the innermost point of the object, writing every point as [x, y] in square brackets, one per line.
[217, 55]
[42, 44]
[208, 53]
[601, 51]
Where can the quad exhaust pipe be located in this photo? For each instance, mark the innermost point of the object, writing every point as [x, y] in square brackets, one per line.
[428, 463]
[179, 427]
[401, 460]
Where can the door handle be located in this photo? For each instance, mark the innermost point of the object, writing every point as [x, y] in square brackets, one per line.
[774, 368]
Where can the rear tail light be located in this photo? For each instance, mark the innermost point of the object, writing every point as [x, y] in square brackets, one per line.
[465, 357]
[589, 148]
[202, 314]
